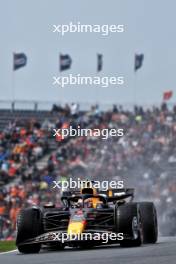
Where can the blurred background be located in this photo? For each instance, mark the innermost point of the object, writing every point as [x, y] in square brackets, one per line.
[30, 106]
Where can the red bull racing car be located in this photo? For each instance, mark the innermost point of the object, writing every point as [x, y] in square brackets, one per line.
[88, 218]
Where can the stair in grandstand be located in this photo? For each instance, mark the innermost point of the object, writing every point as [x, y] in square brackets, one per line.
[7, 116]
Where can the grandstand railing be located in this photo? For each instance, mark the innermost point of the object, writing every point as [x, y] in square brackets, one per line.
[47, 105]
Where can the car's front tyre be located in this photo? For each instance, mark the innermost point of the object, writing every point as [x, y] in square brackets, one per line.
[149, 222]
[128, 222]
[29, 225]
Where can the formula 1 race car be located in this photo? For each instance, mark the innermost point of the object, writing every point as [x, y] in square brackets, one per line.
[89, 213]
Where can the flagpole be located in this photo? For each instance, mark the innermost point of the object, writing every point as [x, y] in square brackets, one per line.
[134, 83]
[96, 89]
[99, 69]
[65, 62]
[61, 93]
[60, 99]
[134, 87]
[13, 85]
[137, 65]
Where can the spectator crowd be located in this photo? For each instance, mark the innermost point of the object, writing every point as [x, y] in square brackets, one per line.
[145, 158]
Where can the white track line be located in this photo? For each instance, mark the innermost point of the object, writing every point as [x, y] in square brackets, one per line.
[7, 252]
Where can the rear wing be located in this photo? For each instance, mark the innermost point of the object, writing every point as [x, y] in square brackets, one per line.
[118, 194]
[111, 194]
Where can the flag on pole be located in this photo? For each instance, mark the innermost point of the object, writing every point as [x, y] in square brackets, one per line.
[138, 61]
[167, 95]
[19, 60]
[65, 62]
[99, 62]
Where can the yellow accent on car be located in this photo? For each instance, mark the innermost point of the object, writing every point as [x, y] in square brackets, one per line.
[95, 201]
[110, 193]
[75, 228]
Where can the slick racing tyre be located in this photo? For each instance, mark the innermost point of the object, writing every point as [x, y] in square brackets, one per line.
[149, 222]
[128, 222]
[29, 225]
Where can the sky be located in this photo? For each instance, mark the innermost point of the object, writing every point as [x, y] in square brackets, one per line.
[26, 26]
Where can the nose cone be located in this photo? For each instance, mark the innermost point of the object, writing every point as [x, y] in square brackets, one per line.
[76, 228]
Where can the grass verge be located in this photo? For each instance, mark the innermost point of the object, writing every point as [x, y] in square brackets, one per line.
[7, 246]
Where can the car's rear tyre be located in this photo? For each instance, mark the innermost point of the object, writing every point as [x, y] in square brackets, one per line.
[149, 222]
[29, 225]
[128, 222]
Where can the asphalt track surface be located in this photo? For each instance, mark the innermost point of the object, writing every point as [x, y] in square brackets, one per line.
[164, 252]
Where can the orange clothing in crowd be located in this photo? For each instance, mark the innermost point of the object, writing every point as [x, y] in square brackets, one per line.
[22, 194]
[20, 148]
[2, 210]
[14, 211]
[14, 191]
